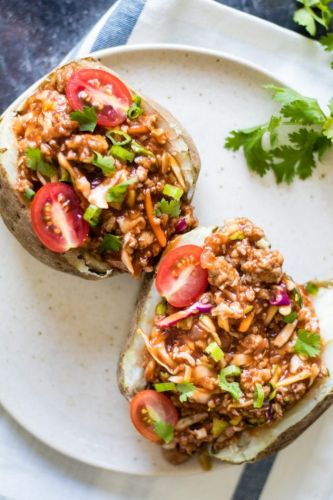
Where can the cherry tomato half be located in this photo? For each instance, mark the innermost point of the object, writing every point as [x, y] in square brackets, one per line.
[102, 90]
[180, 278]
[148, 407]
[57, 218]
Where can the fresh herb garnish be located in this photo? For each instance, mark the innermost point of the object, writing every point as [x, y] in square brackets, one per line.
[164, 431]
[87, 118]
[295, 156]
[173, 191]
[117, 193]
[35, 161]
[311, 288]
[258, 396]
[118, 137]
[121, 153]
[105, 163]
[298, 297]
[290, 318]
[140, 150]
[186, 390]
[92, 215]
[29, 194]
[171, 207]
[161, 308]
[312, 12]
[135, 110]
[215, 351]
[232, 387]
[110, 243]
[307, 343]
[238, 235]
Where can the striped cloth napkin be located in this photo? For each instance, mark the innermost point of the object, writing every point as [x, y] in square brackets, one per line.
[29, 470]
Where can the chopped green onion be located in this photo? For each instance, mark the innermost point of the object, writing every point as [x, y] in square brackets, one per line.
[140, 150]
[113, 134]
[137, 100]
[29, 194]
[65, 177]
[232, 387]
[92, 215]
[135, 110]
[110, 243]
[117, 193]
[163, 387]
[238, 235]
[121, 153]
[105, 163]
[258, 396]
[290, 318]
[173, 191]
[214, 351]
[311, 288]
[298, 297]
[161, 308]
[218, 427]
[248, 309]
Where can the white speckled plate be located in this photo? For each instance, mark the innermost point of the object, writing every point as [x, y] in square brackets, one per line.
[60, 336]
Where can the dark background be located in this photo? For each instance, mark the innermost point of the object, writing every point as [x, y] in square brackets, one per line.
[35, 35]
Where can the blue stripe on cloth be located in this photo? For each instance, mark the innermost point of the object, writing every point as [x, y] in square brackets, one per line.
[253, 479]
[118, 28]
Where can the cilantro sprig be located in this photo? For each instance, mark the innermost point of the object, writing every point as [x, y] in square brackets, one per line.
[117, 193]
[36, 161]
[105, 163]
[312, 13]
[232, 387]
[171, 207]
[310, 136]
[87, 118]
[307, 343]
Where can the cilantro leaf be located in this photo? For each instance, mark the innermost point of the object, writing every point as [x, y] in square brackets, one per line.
[304, 111]
[312, 12]
[311, 288]
[87, 118]
[117, 193]
[258, 160]
[111, 243]
[171, 207]
[307, 343]
[164, 431]
[284, 95]
[35, 161]
[186, 390]
[232, 387]
[105, 163]
[328, 128]
[327, 41]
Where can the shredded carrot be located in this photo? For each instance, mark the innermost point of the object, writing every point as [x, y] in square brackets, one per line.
[246, 323]
[158, 231]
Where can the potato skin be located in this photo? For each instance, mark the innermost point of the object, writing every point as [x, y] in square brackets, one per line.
[16, 214]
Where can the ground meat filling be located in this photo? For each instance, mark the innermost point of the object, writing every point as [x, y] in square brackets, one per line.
[44, 122]
[257, 338]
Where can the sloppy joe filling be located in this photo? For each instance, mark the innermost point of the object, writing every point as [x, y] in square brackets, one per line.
[245, 361]
[146, 213]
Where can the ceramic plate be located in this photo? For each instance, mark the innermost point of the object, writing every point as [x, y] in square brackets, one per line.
[61, 336]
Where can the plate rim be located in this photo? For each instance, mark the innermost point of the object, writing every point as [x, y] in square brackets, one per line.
[100, 54]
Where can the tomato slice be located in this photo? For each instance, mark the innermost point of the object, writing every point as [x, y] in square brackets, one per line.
[148, 407]
[105, 92]
[180, 278]
[57, 218]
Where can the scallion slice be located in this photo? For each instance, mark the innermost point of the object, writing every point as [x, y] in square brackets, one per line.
[214, 351]
[258, 396]
[173, 191]
[140, 150]
[135, 110]
[92, 215]
[166, 386]
[161, 308]
[110, 243]
[113, 134]
[290, 318]
[121, 153]
[29, 194]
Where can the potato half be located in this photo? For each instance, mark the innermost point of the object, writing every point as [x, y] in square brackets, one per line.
[16, 214]
[259, 443]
